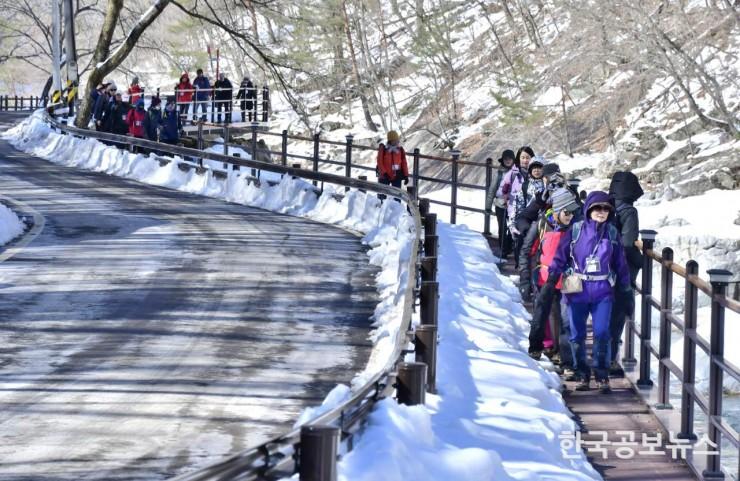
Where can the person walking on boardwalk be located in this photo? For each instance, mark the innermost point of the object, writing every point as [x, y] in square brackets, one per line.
[591, 257]
[625, 189]
[541, 242]
[512, 187]
[391, 163]
[494, 199]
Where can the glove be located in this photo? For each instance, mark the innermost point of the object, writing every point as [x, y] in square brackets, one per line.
[514, 230]
[405, 180]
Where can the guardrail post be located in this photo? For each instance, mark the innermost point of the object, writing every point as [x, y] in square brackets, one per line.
[429, 302]
[238, 156]
[423, 207]
[348, 158]
[664, 343]
[316, 145]
[15, 104]
[719, 278]
[318, 453]
[648, 240]
[489, 180]
[691, 305]
[425, 342]
[428, 269]
[453, 200]
[226, 143]
[416, 173]
[21, 102]
[284, 148]
[254, 145]
[411, 383]
[362, 177]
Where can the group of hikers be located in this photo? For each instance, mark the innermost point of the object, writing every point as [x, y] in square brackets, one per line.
[576, 256]
[122, 114]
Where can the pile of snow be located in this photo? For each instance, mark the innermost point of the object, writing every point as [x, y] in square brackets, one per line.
[388, 229]
[498, 414]
[10, 225]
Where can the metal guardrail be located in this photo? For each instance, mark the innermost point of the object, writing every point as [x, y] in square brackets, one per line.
[311, 449]
[15, 103]
[716, 428]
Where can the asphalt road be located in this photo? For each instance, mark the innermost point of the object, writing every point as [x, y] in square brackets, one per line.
[146, 332]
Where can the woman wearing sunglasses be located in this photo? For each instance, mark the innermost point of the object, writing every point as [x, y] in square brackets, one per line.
[591, 257]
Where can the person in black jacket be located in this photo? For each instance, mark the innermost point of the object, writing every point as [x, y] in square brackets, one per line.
[114, 119]
[223, 95]
[506, 243]
[625, 189]
[247, 94]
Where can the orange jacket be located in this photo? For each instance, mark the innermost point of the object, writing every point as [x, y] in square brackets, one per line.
[392, 164]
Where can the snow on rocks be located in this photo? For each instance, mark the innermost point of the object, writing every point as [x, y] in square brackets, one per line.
[10, 225]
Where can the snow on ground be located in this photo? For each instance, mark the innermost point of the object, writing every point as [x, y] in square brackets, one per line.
[498, 415]
[10, 225]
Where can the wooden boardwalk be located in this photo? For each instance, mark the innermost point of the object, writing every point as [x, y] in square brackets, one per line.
[619, 418]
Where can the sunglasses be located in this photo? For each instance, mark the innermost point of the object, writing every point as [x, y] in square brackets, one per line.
[601, 208]
[569, 213]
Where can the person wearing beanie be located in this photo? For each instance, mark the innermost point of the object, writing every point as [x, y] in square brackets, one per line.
[116, 115]
[391, 164]
[171, 122]
[103, 103]
[135, 91]
[549, 169]
[592, 257]
[135, 120]
[153, 120]
[496, 198]
[541, 244]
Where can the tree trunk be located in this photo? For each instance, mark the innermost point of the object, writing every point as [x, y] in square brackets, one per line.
[356, 72]
[565, 120]
[104, 64]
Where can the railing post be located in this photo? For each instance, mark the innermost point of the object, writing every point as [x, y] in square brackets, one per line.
[648, 240]
[254, 145]
[428, 269]
[348, 156]
[719, 278]
[21, 102]
[428, 302]
[238, 156]
[691, 305]
[316, 145]
[425, 341]
[423, 207]
[284, 148]
[664, 343]
[15, 104]
[226, 140]
[416, 173]
[411, 383]
[453, 200]
[489, 180]
[318, 453]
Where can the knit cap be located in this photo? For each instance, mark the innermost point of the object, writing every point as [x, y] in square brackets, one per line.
[550, 169]
[393, 136]
[563, 199]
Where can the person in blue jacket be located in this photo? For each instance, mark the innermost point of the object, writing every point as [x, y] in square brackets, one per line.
[171, 123]
[591, 251]
[202, 93]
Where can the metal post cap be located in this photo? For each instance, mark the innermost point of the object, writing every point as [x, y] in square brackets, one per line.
[722, 276]
[648, 234]
[349, 136]
[455, 153]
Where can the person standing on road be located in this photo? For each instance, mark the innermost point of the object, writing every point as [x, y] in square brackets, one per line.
[391, 162]
[171, 123]
[153, 121]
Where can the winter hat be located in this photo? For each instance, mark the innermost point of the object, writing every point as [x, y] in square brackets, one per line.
[550, 169]
[506, 154]
[595, 198]
[135, 81]
[112, 87]
[140, 104]
[533, 164]
[563, 199]
[393, 136]
[155, 101]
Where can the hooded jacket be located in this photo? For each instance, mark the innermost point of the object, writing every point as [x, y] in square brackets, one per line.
[593, 238]
[135, 120]
[625, 188]
[184, 90]
[391, 162]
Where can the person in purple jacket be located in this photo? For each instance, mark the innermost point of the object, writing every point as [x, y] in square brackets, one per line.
[592, 251]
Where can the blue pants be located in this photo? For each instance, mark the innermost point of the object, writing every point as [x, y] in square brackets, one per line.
[600, 316]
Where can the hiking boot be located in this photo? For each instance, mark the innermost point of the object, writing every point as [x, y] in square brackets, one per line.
[615, 370]
[604, 386]
[570, 375]
[536, 355]
[583, 385]
[554, 357]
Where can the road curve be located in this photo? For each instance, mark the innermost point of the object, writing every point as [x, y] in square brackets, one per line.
[146, 332]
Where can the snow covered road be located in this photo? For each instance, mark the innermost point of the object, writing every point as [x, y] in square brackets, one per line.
[146, 331]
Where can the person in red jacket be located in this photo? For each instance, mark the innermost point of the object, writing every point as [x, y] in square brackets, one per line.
[184, 96]
[135, 119]
[135, 91]
[392, 167]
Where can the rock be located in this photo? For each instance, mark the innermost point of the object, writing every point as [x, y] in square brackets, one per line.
[329, 125]
[737, 220]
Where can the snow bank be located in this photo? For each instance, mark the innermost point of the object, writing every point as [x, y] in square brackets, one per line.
[498, 414]
[10, 225]
[388, 229]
